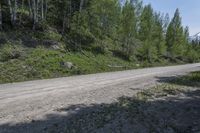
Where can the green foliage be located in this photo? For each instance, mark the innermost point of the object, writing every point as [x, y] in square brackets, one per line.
[104, 17]
[158, 36]
[146, 23]
[42, 63]
[127, 32]
[195, 76]
[148, 50]
[175, 36]
[192, 79]
[134, 29]
[80, 34]
[192, 55]
[10, 51]
[98, 49]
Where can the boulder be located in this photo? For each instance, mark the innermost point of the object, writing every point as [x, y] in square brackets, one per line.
[68, 65]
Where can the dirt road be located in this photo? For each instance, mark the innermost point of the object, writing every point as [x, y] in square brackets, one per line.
[34, 106]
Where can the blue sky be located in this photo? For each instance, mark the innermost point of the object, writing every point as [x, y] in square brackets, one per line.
[189, 9]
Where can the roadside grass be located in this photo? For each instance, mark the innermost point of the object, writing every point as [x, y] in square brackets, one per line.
[22, 64]
[192, 79]
[159, 91]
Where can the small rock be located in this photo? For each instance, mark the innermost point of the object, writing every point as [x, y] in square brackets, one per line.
[55, 47]
[67, 65]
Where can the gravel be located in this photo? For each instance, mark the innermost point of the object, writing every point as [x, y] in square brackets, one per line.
[45, 105]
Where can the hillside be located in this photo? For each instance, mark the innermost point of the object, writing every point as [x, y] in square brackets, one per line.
[48, 39]
[20, 63]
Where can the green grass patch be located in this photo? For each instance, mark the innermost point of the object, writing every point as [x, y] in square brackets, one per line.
[42, 63]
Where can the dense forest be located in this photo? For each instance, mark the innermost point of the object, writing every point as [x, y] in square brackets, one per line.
[127, 31]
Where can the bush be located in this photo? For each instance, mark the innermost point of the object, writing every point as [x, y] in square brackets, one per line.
[98, 49]
[41, 26]
[10, 51]
[192, 56]
[121, 54]
[195, 76]
[3, 39]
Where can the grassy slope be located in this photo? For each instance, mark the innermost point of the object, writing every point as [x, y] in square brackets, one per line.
[40, 63]
[19, 62]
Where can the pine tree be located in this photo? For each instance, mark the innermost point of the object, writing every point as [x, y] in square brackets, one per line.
[158, 35]
[104, 16]
[148, 50]
[174, 36]
[128, 29]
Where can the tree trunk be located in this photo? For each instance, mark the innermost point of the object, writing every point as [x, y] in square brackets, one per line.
[81, 5]
[65, 4]
[34, 14]
[21, 15]
[37, 11]
[15, 12]
[1, 24]
[79, 23]
[69, 14]
[30, 9]
[42, 9]
[46, 8]
[11, 11]
[64, 23]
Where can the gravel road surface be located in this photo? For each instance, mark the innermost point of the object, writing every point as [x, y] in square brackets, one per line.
[34, 106]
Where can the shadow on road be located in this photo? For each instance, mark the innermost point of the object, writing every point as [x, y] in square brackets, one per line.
[128, 115]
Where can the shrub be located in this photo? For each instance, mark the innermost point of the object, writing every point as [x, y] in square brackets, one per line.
[121, 54]
[195, 76]
[192, 56]
[10, 51]
[97, 49]
[3, 39]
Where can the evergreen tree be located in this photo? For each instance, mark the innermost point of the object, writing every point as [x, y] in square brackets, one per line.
[148, 50]
[158, 36]
[174, 36]
[104, 16]
[128, 29]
